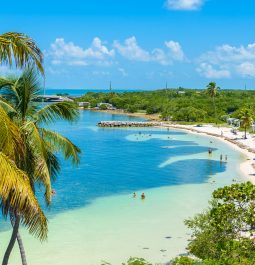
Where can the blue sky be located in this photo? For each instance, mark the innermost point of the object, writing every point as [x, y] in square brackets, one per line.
[139, 44]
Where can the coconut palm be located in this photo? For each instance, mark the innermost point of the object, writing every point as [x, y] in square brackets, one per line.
[40, 144]
[16, 194]
[246, 120]
[21, 50]
[212, 90]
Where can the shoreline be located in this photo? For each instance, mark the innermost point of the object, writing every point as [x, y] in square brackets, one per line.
[224, 134]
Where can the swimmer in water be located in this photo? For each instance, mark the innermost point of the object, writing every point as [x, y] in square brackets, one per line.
[134, 195]
[143, 196]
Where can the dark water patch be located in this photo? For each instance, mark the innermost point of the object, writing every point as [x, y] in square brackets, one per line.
[75, 192]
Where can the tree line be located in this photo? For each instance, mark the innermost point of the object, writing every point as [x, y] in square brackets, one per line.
[210, 105]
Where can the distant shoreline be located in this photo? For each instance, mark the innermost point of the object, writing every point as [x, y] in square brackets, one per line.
[246, 147]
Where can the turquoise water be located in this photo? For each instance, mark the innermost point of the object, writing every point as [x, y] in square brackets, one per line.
[79, 92]
[94, 217]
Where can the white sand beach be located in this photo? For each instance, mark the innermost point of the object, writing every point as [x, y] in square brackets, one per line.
[246, 146]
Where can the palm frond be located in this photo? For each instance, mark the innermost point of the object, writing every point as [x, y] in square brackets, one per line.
[5, 104]
[11, 142]
[57, 111]
[41, 172]
[52, 162]
[27, 88]
[16, 193]
[61, 144]
[22, 48]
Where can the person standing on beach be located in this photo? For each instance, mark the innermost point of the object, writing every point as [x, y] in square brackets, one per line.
[221, 157]
[226, 158]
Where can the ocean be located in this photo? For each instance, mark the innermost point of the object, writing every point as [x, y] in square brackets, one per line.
[94, 217]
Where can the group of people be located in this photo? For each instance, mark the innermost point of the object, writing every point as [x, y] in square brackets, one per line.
[142, 196]
[221, 158]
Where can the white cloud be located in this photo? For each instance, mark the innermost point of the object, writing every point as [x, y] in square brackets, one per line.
[132, 51]
[175, 49]
[209, 71]
[238, 61]
[123, 72]
[184, 4]
[246, 69]
[62, 52]
[98, 50]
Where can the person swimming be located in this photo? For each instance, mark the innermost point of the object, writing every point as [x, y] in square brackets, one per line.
[209, 151]
[143, 196]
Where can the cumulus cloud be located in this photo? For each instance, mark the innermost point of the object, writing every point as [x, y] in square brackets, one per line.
[62, 52]
[184, 4]
[246, 69]
[175, 49]
[209, 71]
[132, 51]
[234, 60]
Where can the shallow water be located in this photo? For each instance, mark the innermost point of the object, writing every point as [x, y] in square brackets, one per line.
[94, 217]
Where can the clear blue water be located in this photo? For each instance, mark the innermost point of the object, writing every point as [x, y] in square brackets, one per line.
[110, 164]
[93, 213]
[79, 92]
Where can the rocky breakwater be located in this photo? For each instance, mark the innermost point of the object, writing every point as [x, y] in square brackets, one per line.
[128, 124]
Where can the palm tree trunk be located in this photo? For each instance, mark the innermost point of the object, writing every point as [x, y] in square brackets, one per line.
[12, 240]
[215, 115]
[21, 250]
[20, 243]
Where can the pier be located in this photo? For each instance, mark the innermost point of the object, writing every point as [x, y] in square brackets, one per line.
[128, 124]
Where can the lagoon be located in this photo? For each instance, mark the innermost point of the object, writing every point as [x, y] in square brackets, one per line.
[94, 217]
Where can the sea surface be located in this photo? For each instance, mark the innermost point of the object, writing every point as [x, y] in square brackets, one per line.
[94, 218]
[80, 92]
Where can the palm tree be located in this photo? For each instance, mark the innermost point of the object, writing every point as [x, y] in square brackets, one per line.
[40, 144]
[212, 90]
[246, 120]
[21, 50]
[15, 189]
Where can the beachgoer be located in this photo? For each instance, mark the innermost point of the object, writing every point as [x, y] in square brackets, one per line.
[143, 196]
[226, 158]
[209, 151]
[221, 133]
[134, 195]
[221, 157]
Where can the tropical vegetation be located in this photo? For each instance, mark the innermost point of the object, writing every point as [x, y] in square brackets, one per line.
[36, 157]
[27, 147]
[180, 105]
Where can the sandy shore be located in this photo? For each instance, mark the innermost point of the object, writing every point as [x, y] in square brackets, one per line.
[237, 141]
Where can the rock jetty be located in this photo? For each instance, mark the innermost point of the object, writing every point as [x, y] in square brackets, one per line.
[128, 124]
